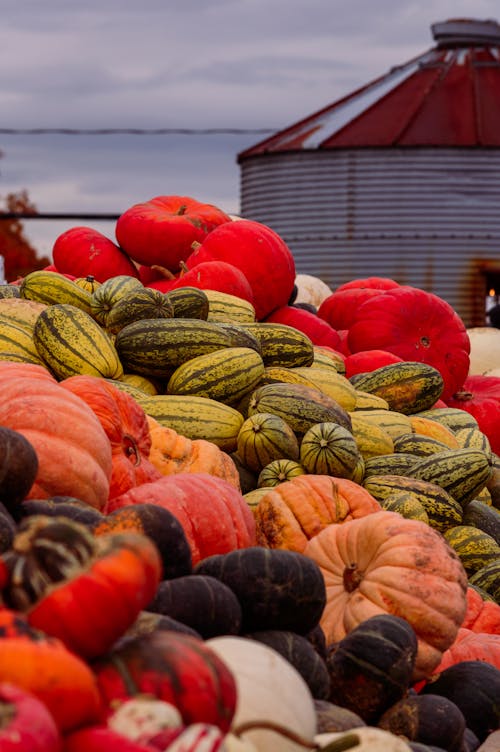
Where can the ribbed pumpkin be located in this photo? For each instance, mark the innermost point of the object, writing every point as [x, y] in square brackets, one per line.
[214, 515]
[74, 453]
[298, 509]
[329, 449]
[471, 646]
[384, 563]
[126, 426]
[172, 453]
[264, 437]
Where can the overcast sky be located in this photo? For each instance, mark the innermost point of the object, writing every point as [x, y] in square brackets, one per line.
[194, 64]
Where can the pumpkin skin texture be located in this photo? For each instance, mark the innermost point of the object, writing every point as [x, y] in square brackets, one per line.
[371, 667]
[481, 615]
[480, 396]
[162, 230]
[256, 250]
[74, 453]
[368, 360]
[126, 426]
[173, 667]
[417, 326]
[384, 563]
[339, 308]
[214, 515]
[81, 251]
[293, 512]
[472, 646]
[276, 589]
[370, 283]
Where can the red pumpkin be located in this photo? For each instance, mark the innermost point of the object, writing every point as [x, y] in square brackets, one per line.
[88, 589]
[417, 326]
[126, 426]
[173, 667]
[471, 646]
[162, 230]
[480, 396]
[372, 283]
[339, 308]
[214, 515]
[260, 253]
[210, 275]
[102, 739]
[481, 615]
[318, 331]
[82, 251]
[368, 360]
[27, 725]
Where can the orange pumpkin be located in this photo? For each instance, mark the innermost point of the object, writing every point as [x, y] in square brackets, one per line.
[471, 646]
[291, 513]
[385, 563]
[126, 426]
[481, 615]
[173, 453]
[74, 453]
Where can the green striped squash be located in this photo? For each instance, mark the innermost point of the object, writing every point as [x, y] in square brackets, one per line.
[156, 347]
[8, 290]
[473, 438]
[226, 375]
[51, 288]
[279, 471]
[328, 360]
[189, 303]
[485, 517]
[487, 578]
[224, 307]
[418, 445]
[367, 401]
[329, 449]
[264, 437]
[407, 387]
[109, 293]
[452, 417]
[240, 337]
[300, 406]
[71, 342]
[17, 344]
[282, 345]
[332, 383]
[474, 547]
[195, 417]
[137, 304]
[442, 509]
[463, 473]
[397, 463]
[407, 505]
[392, 422]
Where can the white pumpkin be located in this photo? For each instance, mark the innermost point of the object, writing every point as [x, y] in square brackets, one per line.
[311, 290]
[269, 689]
[370, 738]
[484, 349]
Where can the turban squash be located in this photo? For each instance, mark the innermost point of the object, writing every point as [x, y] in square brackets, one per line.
[384, 563]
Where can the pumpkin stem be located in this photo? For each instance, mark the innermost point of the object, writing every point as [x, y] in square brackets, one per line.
[352, 577]
[181, 210]
[183, 267]
[131, 450]
[195, 245]
[163, 271]
[463, 395]
[7, 714]
[337, 745]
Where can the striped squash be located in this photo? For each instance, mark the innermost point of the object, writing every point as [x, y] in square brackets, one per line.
[367, 401]
[487, 578]
[452, 417]
[331, 383]
[278, 471]
[474, 547]
[51, 288]
[418, 445]
[408, 387]
[329, 449]
[435, 430]
[325, 357]
[70, 342]
[188, 303]
[461, 472]
[264, 437]
[21, 312]
[473, 438]
[397, 463]
[195, 417]
[372, 440]
[407, 505]
[224, 307]
[109, 293]
[137, 304]
[392, 422]
[282, 345]
[17, 344]
[226, 375]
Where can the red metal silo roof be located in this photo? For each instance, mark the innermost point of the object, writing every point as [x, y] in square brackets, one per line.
[447, 96]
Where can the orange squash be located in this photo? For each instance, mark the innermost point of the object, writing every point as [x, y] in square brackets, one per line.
[73, 451]
[291, 513]
[173, 453]
[125, 424]
[385, 563]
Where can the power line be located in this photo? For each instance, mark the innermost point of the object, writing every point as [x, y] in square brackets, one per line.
[132, 131]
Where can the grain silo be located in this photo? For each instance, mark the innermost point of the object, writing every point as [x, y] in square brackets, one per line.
[401, 178]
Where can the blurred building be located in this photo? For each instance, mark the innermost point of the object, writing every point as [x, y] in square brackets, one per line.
[401, 178]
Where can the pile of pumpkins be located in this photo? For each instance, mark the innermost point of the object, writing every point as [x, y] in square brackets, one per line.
[239, 515]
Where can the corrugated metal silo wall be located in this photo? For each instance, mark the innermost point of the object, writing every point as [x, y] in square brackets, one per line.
[427, 217]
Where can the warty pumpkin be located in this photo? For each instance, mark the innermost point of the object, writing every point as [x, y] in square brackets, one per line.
[173, 453]
[291, 513]
[126, 426]
[74, 454]
[384, 563]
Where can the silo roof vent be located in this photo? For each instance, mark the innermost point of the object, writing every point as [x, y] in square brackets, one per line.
[466, 32]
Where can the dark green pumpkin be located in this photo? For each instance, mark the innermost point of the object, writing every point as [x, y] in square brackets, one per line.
[18, 468]
[484, 517]
[330, 717]
[474, 686]
[430, 719]
[201, 602]
[301, 654]
[277, 589]
[371, 667]
[62, 506]
[189, 303]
